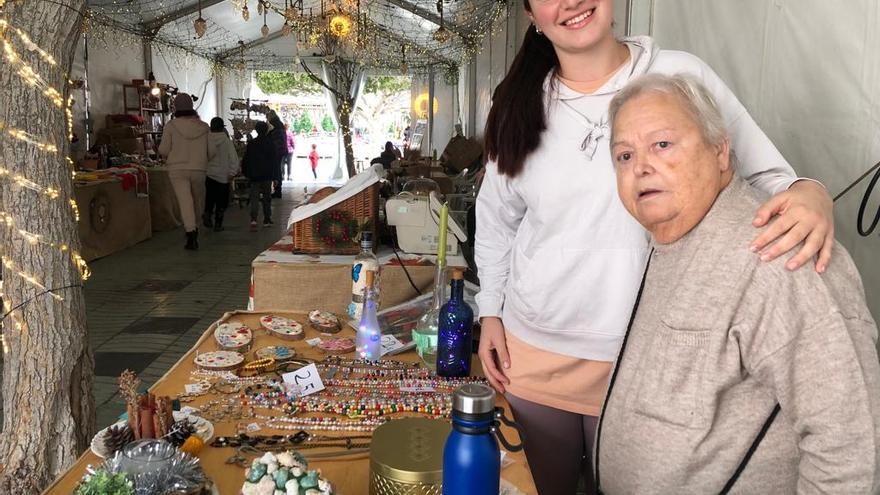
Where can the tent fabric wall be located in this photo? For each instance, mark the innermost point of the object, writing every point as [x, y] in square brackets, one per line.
[809, 74]
[191, 74]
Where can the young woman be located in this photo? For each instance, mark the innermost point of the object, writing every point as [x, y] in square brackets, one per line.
[185, 149]
[559, 258]
[222, 167]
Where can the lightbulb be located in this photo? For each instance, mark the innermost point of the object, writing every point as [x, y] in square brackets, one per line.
[155, 91]
[265, 30]
[201, 27]
[245, 13]
[340, 25]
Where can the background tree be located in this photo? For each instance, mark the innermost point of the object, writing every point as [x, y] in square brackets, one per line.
[304, 123]
[380, 94]
[327, 124]
[287, 83]
[48, 368]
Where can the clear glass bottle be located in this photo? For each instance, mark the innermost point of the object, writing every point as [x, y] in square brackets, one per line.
[368, 341]
[425, 332]
[364, 262]
[455, 336]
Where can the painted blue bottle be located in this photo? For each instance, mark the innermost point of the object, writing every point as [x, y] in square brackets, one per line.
[471, 458]
[455, 333]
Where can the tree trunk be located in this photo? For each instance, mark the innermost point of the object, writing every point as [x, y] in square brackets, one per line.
[345, 128]
[48, 369]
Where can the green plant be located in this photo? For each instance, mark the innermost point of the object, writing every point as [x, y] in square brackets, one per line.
[286, 83]
[303, 123]
[104, 483]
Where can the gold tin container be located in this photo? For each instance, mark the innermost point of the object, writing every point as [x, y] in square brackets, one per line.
[406, 457]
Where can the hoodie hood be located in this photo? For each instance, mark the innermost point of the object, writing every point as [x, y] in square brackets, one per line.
[642, 52]
[190, 128]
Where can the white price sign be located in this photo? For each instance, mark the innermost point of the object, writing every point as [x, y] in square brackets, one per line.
[306, 379]
[390, 343]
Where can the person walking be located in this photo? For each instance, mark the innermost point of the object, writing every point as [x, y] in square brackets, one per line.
[278, 136]
[288, 159]
[222, 167]
[559, 259]
[313, 159]
[258, 165]
[185, 149]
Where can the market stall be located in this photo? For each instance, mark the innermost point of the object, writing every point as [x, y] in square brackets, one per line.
[164, 210]
[112, 216]
[349, 474]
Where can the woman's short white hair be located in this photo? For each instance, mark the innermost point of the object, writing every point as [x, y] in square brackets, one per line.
[694, 96]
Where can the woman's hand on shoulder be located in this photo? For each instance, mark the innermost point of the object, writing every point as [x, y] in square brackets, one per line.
[493, 352]
[802, 213]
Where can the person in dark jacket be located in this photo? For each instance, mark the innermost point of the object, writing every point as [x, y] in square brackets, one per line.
[387, 156]
[279, 139]
[258, 165]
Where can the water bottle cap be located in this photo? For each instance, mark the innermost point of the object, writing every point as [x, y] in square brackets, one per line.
[474, 398]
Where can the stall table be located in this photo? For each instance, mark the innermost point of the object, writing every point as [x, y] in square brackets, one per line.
[110, 218]
[349, 475]
[164, 210]
[282, 280]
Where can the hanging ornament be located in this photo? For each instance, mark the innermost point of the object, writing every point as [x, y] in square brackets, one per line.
[245, 13]
[403, 67]
[265, 28]
[285, 30]
[289, 11]
[441, 35]
[261, 9]
[200, 25]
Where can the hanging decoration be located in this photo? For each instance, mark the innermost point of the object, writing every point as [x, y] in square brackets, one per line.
[261, 9]
[441, 35]
[245, 13]
[265, 29]
[336, 227]
[403, 67]
[200, 24]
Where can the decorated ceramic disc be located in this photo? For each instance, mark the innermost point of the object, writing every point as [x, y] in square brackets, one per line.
[233, 336]
[337, 345]
[283, 328]
[219, 360]
[279, 352]
[324, 321]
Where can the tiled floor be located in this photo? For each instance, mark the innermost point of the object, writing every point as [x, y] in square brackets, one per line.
[147, 305]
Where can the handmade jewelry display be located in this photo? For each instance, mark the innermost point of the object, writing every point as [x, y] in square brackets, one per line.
[233, 336]
[337, 345]
[283, 328]
[324, 321]
[286, 473]
[280, 353]
[219, 360]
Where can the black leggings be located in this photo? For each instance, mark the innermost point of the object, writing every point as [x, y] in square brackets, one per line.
[558, 445]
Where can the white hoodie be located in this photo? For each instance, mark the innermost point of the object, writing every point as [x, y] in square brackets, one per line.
[224, 162]
[185, 144]
[559, 258]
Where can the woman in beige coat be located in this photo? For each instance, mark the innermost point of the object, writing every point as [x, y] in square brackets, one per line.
[185, 148]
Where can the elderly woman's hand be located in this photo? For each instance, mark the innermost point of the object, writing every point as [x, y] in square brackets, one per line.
[804, 212]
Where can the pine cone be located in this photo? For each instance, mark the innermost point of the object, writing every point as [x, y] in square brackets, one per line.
[117, 437]
[180, 431]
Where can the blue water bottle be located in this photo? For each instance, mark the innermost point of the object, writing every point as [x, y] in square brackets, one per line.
[471, 458]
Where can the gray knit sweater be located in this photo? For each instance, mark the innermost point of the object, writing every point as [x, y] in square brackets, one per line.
[719, 338]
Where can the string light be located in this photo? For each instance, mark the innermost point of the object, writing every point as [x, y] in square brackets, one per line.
[34, 239]
[27, 277]
[24, 70]
[28, 138]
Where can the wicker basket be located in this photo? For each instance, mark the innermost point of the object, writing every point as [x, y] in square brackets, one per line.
[363, 207]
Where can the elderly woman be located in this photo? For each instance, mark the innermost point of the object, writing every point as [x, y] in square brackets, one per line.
[735, 375]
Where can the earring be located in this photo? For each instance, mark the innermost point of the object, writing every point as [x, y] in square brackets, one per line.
[538, 30]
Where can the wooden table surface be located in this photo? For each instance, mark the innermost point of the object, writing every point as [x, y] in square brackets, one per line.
[349, 475]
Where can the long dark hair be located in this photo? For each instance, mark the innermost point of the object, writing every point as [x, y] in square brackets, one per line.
[517, 119]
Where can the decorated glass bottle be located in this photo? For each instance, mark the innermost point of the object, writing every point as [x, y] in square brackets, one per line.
[425, 332]
[455, 334]
[369, 336]
[364, 262]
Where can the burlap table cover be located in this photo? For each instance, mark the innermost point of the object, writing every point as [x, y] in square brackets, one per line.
[293, 282]
[110, 219]
[164, 210]
[349, 475]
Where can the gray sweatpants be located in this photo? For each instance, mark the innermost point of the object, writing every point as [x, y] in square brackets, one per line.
[558, 445]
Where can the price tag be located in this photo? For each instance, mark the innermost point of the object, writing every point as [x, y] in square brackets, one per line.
[417, 390]
[390, 343]
[306, 379]
[313, 342]
[194, 388]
